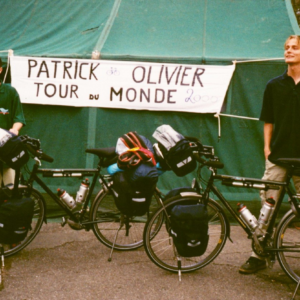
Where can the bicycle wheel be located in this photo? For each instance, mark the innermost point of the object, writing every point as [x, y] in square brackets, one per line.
[113, 227]
[36, 224]
[160, 248]
[287, 241]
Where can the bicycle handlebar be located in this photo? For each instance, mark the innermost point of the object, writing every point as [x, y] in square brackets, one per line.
[207, 152]
[34, 147]
[39, 154]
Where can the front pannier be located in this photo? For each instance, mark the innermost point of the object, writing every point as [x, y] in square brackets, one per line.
[15, 218]
[189, 229]
[188, 225]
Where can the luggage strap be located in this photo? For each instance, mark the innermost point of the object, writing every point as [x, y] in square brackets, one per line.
[137, 151]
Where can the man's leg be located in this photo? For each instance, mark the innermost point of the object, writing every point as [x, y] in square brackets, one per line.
[275, 173]
[8, 176]
[296, 180]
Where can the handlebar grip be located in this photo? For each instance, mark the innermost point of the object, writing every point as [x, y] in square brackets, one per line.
[46, 157]
[39, 154]
[215, 164]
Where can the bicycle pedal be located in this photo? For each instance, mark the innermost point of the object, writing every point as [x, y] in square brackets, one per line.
[87, 227]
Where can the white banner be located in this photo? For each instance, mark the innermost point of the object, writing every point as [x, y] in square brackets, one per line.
[119, 84]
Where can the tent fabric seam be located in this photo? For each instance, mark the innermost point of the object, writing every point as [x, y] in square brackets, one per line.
[105, 32]
[292, 17]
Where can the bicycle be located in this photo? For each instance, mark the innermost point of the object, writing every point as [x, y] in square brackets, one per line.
[110, 226]
[282, 239]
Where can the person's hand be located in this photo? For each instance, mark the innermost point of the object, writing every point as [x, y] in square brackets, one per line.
[267, 152]
[14, 131]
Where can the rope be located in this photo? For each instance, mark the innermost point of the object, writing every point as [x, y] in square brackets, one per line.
[233, 116]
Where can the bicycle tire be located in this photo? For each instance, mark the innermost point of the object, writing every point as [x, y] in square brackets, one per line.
[36, 224]
[109, 218]
[287, 239]
[160, 248]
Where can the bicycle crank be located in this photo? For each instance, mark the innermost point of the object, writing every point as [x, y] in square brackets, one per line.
[73, 224]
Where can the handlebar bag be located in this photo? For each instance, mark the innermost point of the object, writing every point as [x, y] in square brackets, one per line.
[15, 219]
[13, 151]
[179, 158]
[174, 151]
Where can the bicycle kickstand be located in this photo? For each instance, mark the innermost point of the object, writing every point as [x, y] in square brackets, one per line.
[298, 284]
[115, 239]
[179, 267]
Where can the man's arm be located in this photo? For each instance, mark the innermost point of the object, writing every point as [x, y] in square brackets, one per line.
[268, 130]
[16, 128]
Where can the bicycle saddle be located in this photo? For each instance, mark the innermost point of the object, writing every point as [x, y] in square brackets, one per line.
[290, 162]
[102, 152]
[108, 155]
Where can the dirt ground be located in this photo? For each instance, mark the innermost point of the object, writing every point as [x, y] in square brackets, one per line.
[65, 264]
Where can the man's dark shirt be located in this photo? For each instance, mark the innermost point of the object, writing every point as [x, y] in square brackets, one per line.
[281, 107]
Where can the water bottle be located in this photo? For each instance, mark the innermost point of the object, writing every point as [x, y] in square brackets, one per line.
[66, 198]
[247, 216]
[266, 212]
[83, 191]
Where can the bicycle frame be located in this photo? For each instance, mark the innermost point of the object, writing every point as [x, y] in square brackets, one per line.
[58, 173]
[256, 184]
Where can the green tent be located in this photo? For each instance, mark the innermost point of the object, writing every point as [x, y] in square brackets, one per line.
[187, 32]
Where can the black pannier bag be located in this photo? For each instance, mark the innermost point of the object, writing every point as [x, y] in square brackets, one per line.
[189, 226]
[13, 151]
[134, 186]
[174, 151]
[134, 189]
[15, 218]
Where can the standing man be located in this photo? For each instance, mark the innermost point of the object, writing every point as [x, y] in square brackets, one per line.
[11, 118]
[280, 112]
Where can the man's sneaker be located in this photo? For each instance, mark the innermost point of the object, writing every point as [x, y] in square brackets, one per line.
[252, 265]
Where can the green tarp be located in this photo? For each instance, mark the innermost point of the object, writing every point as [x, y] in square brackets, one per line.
[157, 30]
